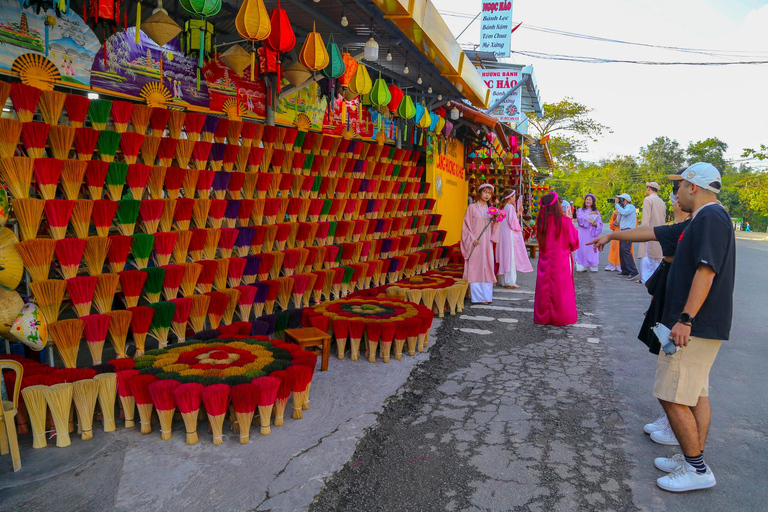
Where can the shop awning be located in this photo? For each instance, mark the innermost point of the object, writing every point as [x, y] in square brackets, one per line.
[539, 154]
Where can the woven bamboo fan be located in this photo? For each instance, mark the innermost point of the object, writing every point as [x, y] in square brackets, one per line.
[155, 94]
[160, 27]
[36, 70]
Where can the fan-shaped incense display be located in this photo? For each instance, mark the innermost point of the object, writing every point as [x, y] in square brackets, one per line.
[69, 252]
[216, 401]
[59, 399]
[49, 294]
[104, 294]
[161, 322]
[188, 398]
[141, 320]
[66, 334]
[37, 256]
[119, 322]
[16, 173]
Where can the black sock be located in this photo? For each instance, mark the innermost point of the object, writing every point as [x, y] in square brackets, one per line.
[697, 462]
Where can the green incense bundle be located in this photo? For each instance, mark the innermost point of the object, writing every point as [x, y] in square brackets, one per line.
[107, 145]
[318, 181]
[401, 189]
[281, 321]
[338, 254]
[392, 151]
[299, 142]
[116, 174]
[326, 208]
[396, 170]
[332, 232]
[127, 214]
[98, 113]
[161, 322]
[141, 248]
[153, 286]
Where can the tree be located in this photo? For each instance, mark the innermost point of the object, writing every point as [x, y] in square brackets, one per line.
[761, 154]
[711, 150]
[662, 157]
[570, 128]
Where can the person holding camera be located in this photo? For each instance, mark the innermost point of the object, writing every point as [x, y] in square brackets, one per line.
[696, 318]
[627, 217]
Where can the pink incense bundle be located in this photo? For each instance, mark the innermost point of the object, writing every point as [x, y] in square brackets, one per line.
[95, 329]
[217, 307]
[235, 271]
[150, 212]
[47, 172]
[131, 284]
[174, 178]
[200, 153]
[167, 150]
[85, 143]
[80, 290]
[103, 214]
[137, 178]
[126, 396]
[158, 120]
[183, 307]
[216, 212]
[207, 275]
[58, 212]
[230, 156]
[228, 237]
[141, 320]
[140, 391]
[174, 274]
[69, 252]
[255, 157]
[245, 300]
[163, 247]
[193, 125]
[130, 145]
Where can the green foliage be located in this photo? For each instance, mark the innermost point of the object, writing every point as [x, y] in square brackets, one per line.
[711, 150]
[761, 154]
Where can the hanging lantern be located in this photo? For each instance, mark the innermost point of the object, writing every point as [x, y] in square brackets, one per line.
[313, 54]
[361, 82]
[397, 97]
[371, 50]
[236, 59]
[447, 129]
[433, 122]
[426, 120]
[350, 68]
[419, 113]
[380, 95]
[281, 39]
[198, 38]
[440, 124]
[335, 67]
[406, 109]
[296, 73]
[267, 61]
[160, 27]
[455, 113]
[252, 23]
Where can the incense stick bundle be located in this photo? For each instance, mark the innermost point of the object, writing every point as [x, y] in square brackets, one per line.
[181, 248]
[245, 301]
[81, 217]
[153, 286]
[66, 334]
[141, 248]
[104, 211]
[119, 322]
[303, 377]
[59, 399]
[127, 214]
[189, 281]
[232, 295]
[117, 252]
[98, 113]
[212, 238]
[227, 239]
[34, 401]
[47, 172]
[49, 294]
[121, 115]
[10, 132]
[141, 320]
[174, 274]
[151, 210]
[140, 390]
[130, 145]
[183, 308]
[104, 294]
[220, 277]
[69, 252]
[200, 212]
[149, 149]
[182, 216]
[216, 401]
[166, 151]
[285, 287]
[163, 247]
[85, 143]
[207, 275]
[273, 288]
[137, 178]
[107, 145]
[155, 181]
[117, 173]
[284, 391]
[95, 254]
[123, 380]
[158, 120]
[245, 401]
[58, 212]
[161, 393]
[174, 179]
[176, 123]
[244, 240]
[81, 290]
[77, 108]
[161, 322]
[268, 388]
[231, 152]
[184, 150]
[216, 308]
[16, 173]
[198, 312]
[24, 98]
[131, 284]
[36, 255]
[188, 398]
[85, 392]
[140, 118]
[107, 395]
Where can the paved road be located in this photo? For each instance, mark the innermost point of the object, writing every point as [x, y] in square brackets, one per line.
[537, 418]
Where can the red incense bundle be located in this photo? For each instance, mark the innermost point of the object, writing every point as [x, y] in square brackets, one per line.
[200, 153]
[34, 137]
[80, 290]
[163, 247]
[300, 282]
[235, 271]
[183, 307]
[188, 398]
[140, 391]
[245, 301]
[121, 115]
[24, 98]
[150, 212]
[130, 145]
[193, 125]
[267, 262]
[131, 284]
[95, 329]
[117, 254]
[245, 399]
[126, 396]
[137, 178]
[272, 293]
[174, 178]
[95, 176]
[196, 244]
[69, 252]
[245, 212]
[85, 142]
[220, 133]
[161, 392]
[216, 212]
[47, 172]
[216, 308]
[208, 270]
[255, 158]
[76, 107]
[158, 120]
[183, 213]
[167, 150]
[227, 239]
[174, 274]
[268, 388]
[230, 156]
[216, 402]
[308, 360]
[141, 320]
[302, 376]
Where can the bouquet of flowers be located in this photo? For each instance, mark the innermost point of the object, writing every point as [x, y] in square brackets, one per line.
[494, 215]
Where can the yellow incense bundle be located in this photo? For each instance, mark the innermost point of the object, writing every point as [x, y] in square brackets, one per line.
[34, 401]
[59, 400]
[29, 213]
[36, 255]
[85, 392]
[107, 397]
[49, 294]
[119, 322]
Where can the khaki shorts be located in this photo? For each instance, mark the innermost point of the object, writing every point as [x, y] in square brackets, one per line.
[684, 377]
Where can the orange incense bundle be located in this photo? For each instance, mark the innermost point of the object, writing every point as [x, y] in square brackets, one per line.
[117, 254]
[181, 247]
[235, 271]
[80, 290]
[150, 212]
[36, 255]
[163, 247]
[216, 308]
[277, 264]
[167, 150]
[119, 322]
[141, 320]
[174, 274]
[130, 145]
[76, 107]
[161, 392]
[216, 212]
[200, 153]
[58, 213]
[95, 329]
[188, 398]
[81, 217]
[220, 279]
[216, 402]
[155, 182]
[166, 219]
[140, 391]
[229, 313]
[192, 273]
[10, 131]
[183, 307]
[49, 295]
[227, 239]
[47, 172]
[33, 138]
[201, 207]
[285, 287]
[257, 214]
[131, 284]
[69, 252]
[197, 243]
[158, 120]
[126, 396]
[66, 335]
[245, 301]
[184, 150]
[198, 312]
[140, 118]
[245, 400]
[24, 98]
[104, 294]
[212, 237]
[241, 161]
[137, 178]
[311, 280]
[267, 388]
[60, 139]
[149, 149]
[176, 123]
[85, 142]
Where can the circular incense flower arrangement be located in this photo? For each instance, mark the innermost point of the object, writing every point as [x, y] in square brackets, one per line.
[432, 289]
[383, 320]
[452, 270]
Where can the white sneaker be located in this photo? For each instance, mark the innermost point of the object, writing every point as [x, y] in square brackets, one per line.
[660, 424]
[670, 464]
[593, 269]
[665, 436]
[684, 479]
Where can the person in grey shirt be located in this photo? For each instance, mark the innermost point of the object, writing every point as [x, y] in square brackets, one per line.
[627, 220]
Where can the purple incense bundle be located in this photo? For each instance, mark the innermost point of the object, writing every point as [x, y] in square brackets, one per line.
[220, 184]
[252, 264]
[216, 156]
[231, 212]
[244, 239]
[209, 127]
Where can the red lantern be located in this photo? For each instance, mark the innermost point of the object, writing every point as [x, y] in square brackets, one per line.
[397, 97]
[267, 61]
[350, 67]
[281, 39]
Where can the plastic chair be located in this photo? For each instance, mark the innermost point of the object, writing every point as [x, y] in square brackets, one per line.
[8, 438]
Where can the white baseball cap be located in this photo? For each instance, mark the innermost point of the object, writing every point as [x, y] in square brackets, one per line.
[626, 197]
[702, 174]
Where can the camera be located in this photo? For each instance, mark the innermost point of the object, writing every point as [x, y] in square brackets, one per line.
[611, 200]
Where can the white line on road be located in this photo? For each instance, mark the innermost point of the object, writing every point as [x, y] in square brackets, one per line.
[474, 331]
[588, 314]
[504, 290]
[508, 320]
[502, 308]
[478, 318]
[586, 326]
[593, 340]
[508, 298]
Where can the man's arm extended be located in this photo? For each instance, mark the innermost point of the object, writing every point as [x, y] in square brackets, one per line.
[641, 234]
[702, 282]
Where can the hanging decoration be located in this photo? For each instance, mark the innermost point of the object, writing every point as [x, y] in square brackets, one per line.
[252, 23]
[350, 68]
[160, 27]
[406, 109]
[334, 69]
[281, 39]
[296, 73]
[361, 82]
[313, 54]
[396, 94]
[199, 33]
[236, 59]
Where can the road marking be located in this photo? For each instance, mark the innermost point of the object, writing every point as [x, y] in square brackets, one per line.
[508, 320]
[508, 298]
[588, 314]
[502, 308]
[473, 331]
[586, 326]
[478, 318]
[504, 290]
[593, 340]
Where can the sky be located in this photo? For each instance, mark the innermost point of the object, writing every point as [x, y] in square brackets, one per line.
[640, 102]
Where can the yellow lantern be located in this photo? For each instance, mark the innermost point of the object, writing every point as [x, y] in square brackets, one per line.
[313, 54]
[361, 83]
[252, 22]
[426, 120]
[440, 124]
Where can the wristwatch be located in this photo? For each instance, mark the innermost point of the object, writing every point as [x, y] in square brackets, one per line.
[686, 319]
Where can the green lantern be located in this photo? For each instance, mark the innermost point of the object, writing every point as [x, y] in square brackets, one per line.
[380, 95]
[406, 109]
[198, 33]
[335, 67]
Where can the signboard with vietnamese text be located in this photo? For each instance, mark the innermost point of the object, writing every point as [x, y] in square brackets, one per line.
[445, 171]
[496, 28]
[500, 81]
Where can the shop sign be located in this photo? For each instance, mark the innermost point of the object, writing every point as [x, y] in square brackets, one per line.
[500, 81]
[496, 28]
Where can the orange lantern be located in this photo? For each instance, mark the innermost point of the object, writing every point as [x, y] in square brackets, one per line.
[350, 66]
[313, 54]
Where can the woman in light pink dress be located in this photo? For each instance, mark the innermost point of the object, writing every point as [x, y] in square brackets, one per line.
[477, 249]
[555, 299]
[510, 249]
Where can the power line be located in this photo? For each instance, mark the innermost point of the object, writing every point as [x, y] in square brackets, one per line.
[600, 60]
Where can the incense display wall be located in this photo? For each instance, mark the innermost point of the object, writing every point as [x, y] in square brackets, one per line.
[193, 220]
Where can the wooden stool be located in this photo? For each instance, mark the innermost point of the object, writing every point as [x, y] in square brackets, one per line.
[311, 337]
[532, 248]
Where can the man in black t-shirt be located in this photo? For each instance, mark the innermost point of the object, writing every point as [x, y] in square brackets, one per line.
[697, 312]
